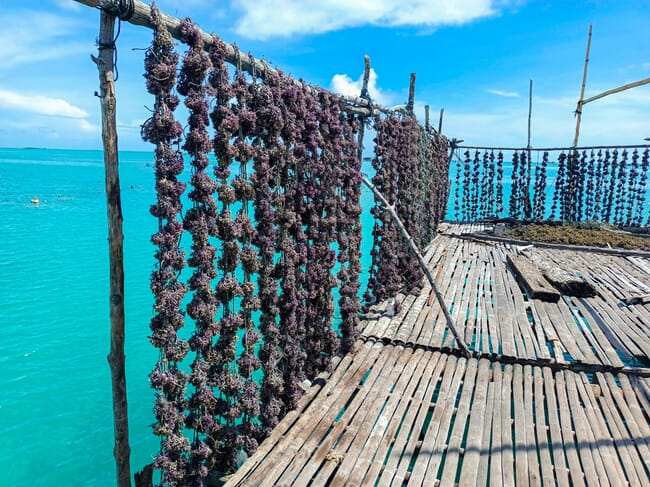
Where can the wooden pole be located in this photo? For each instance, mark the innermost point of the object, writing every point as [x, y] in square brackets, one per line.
[530, 110]
[142, 16]
[116, 359]
[582, 92]
[616, 90]
[364, 94]
[527, 204]
[411, 103]
[423, 265]
[426, 117]
[442, 112]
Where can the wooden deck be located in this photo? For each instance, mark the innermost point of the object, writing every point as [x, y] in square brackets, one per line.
[556, 394]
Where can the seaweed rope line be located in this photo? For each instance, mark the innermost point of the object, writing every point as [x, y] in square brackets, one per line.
[123, 10]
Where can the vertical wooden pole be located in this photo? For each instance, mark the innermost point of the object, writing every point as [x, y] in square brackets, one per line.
[364, 94]
[426, 117]
[442, 112]
[528, 210]
[411, 102]
[530, 110]
[582, 92]
[121, 450]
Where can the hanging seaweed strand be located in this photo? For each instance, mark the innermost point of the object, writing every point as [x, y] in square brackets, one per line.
[167, 378]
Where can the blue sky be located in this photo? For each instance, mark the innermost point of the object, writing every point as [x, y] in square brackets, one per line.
[472, 57]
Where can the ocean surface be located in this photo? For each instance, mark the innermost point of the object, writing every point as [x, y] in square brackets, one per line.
[56, 425]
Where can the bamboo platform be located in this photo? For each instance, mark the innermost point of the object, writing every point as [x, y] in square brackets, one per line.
[555, 394]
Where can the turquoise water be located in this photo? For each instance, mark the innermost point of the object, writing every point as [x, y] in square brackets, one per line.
[55, 392]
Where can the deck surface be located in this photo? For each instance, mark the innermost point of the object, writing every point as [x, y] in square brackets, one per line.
[556, 394]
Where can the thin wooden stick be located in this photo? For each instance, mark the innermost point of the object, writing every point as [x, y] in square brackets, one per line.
[426, 117]
[423, 265]
[442, 112]
[142, 16]
[582, 92]
[121, 450]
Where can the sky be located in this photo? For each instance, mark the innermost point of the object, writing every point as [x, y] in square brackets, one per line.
[474, 58]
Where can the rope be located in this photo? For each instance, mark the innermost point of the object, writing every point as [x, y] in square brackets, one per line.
[122, 9]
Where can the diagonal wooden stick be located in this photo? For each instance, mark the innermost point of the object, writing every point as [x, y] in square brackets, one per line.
[409, 240]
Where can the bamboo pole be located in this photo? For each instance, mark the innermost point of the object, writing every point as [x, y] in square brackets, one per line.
[116, 359]
[527, 204]
[616, 90]
[142, 16]
[442, 112]
[423, 265]
[582, 92]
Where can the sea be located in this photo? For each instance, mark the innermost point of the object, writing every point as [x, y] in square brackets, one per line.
[56, 424]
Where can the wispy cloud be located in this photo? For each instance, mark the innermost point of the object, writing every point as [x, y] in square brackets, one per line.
[41, 105]
[620, 120]
[28, 36]
[507, 94]
[262, 19]
[343, 84]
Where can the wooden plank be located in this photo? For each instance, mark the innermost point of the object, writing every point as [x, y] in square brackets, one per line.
[454, 443]
[591, 465]
[316, 419]
[568, 435]
[435, 437]
[488, 420]
[535, 283]
[474, 442]
[534, 476]
[405, 445]
[398, 435]
[541, 429]
[520, 441]
[505, 316]
[507, 455]
[555, 430]
[323, 439]
[355, 435]
[602, 441]
[496, 474]
[383, 430]
[629, 455]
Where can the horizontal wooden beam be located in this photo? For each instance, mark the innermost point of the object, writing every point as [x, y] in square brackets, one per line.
[142, 16]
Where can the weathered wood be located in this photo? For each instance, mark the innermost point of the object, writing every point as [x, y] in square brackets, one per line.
[116, 359]
[582, 92]
[411, 102]
[411, 244]
[142, 16]
[637, 299]
[618, 89]
[567, 282]
[534, 282]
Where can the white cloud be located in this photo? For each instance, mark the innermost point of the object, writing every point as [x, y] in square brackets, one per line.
[344, 85]
[41, 105]
[262, 19]
[86, 126]
[507, 94]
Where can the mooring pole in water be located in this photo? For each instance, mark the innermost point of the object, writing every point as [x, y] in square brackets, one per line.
[423, 265]
[105, 66]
